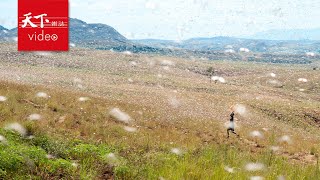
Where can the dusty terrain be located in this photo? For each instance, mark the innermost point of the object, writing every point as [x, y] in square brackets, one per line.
[174, 102]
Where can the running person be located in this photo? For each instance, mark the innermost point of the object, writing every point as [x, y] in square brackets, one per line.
[231, 125]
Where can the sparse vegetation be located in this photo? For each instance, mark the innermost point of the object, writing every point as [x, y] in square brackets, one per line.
[178, 114]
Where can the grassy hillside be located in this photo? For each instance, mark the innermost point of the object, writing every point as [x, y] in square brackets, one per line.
[75, 139]
[170, 123]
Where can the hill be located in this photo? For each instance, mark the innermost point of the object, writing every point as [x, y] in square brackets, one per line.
[223, 44]
[94, 34]
[104, 37]
[83, 34]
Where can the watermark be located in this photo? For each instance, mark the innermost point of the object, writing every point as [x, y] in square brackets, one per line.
[43, 25]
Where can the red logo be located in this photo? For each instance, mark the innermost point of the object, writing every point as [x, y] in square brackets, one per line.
[43, 25]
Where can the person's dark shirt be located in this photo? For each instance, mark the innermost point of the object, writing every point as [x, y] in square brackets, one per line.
[231, 116]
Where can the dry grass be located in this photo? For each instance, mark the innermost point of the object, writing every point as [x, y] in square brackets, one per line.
[171, 107]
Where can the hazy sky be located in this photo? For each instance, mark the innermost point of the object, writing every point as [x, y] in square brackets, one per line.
[182, 19]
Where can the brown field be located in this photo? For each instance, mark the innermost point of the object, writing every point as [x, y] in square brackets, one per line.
[171, 102]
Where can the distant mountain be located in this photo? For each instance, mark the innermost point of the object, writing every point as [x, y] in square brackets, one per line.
[292, 34]
[6, 34]
[2, 28]
[94, 34]
[104, 37]
[232, 44]
[81, 33]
